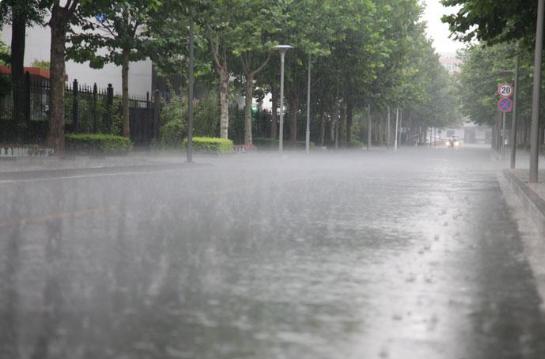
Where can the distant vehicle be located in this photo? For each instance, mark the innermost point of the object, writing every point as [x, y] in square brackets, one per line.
[454, 142]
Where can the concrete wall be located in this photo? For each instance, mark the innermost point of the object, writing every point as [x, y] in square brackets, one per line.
[37, 48]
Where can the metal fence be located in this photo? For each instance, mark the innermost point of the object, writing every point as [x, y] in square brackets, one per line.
[88, 109]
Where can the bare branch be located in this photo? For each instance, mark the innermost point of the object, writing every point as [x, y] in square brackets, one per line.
[256, 71]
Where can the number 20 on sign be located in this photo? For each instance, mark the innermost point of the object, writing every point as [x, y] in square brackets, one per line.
[505, 90]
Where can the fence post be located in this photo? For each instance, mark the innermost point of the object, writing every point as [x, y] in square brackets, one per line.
[95, 93]
[27, 105]
[75, 114]
[109, 107]
[156, 112]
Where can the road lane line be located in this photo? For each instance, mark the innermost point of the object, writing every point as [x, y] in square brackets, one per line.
[58, 215]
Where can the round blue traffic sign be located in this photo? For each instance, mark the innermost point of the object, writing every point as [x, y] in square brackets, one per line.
[505, 104]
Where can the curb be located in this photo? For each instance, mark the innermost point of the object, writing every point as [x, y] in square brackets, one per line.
[69, 172]
[533, 204]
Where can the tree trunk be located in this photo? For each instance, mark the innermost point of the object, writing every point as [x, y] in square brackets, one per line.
[337, 133]
[342, 125]
[332, 124]
[18, 29]
[56, 96]
[322, 130]
[349, 121]
[248, 139]
[125, 93]
[293, 108]
[224, 103]
[274, 114]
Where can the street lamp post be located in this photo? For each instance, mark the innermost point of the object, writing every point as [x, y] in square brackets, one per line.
[388, 131]
[397, 124]
[534, 132]
[283, 49]
[307, 137]
[369, 125]
[190, 100]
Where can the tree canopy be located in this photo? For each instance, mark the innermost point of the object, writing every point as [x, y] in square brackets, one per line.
[363, 53]
[492, 21]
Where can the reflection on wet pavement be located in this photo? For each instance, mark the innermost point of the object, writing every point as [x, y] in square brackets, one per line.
[366, 255]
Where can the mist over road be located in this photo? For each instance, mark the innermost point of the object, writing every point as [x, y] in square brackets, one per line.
[413, 254]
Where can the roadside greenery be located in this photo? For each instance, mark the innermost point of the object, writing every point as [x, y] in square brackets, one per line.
[366, 55]
[211, 145]
[485, 66]
[499, 34]
[4, 54]
[41, 64]
[173, 123]
[103, 144]
[5, 84]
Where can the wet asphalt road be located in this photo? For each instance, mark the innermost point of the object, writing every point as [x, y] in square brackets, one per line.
[356, 255]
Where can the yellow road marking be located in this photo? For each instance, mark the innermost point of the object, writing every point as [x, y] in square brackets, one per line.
[53, 216]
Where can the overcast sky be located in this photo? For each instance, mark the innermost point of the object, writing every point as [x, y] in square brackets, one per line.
[438, 31]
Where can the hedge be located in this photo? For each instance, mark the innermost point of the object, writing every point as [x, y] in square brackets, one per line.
[211, 144]
[97, 144]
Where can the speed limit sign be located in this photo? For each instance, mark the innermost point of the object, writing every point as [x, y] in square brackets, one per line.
[505, 90]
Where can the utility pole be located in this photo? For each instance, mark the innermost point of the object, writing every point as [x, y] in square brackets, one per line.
[400, 127]
[514, 114]
[534, 132]
[281, 131]
[307, 138]
[283, 49]
[190, 100]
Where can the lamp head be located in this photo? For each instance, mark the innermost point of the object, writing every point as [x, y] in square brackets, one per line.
[283, 48]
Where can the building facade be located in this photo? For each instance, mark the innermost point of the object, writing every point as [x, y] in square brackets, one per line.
[38, 41]
[451, 62]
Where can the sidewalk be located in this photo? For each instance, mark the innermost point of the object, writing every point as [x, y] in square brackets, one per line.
[532, 195]
[28, 167]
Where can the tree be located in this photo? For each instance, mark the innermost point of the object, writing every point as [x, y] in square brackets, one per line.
[217, 21]
[20, 14]
[62, 15]
[4, 81]
[315, 29]
[492, 21]
[483, 68]
[4, 54]
[238, 32]
[119, 28]
[363, 53]
[254, 51]
[41, 64]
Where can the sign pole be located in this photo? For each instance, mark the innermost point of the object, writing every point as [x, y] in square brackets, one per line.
[514, 117]
[503, 134]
